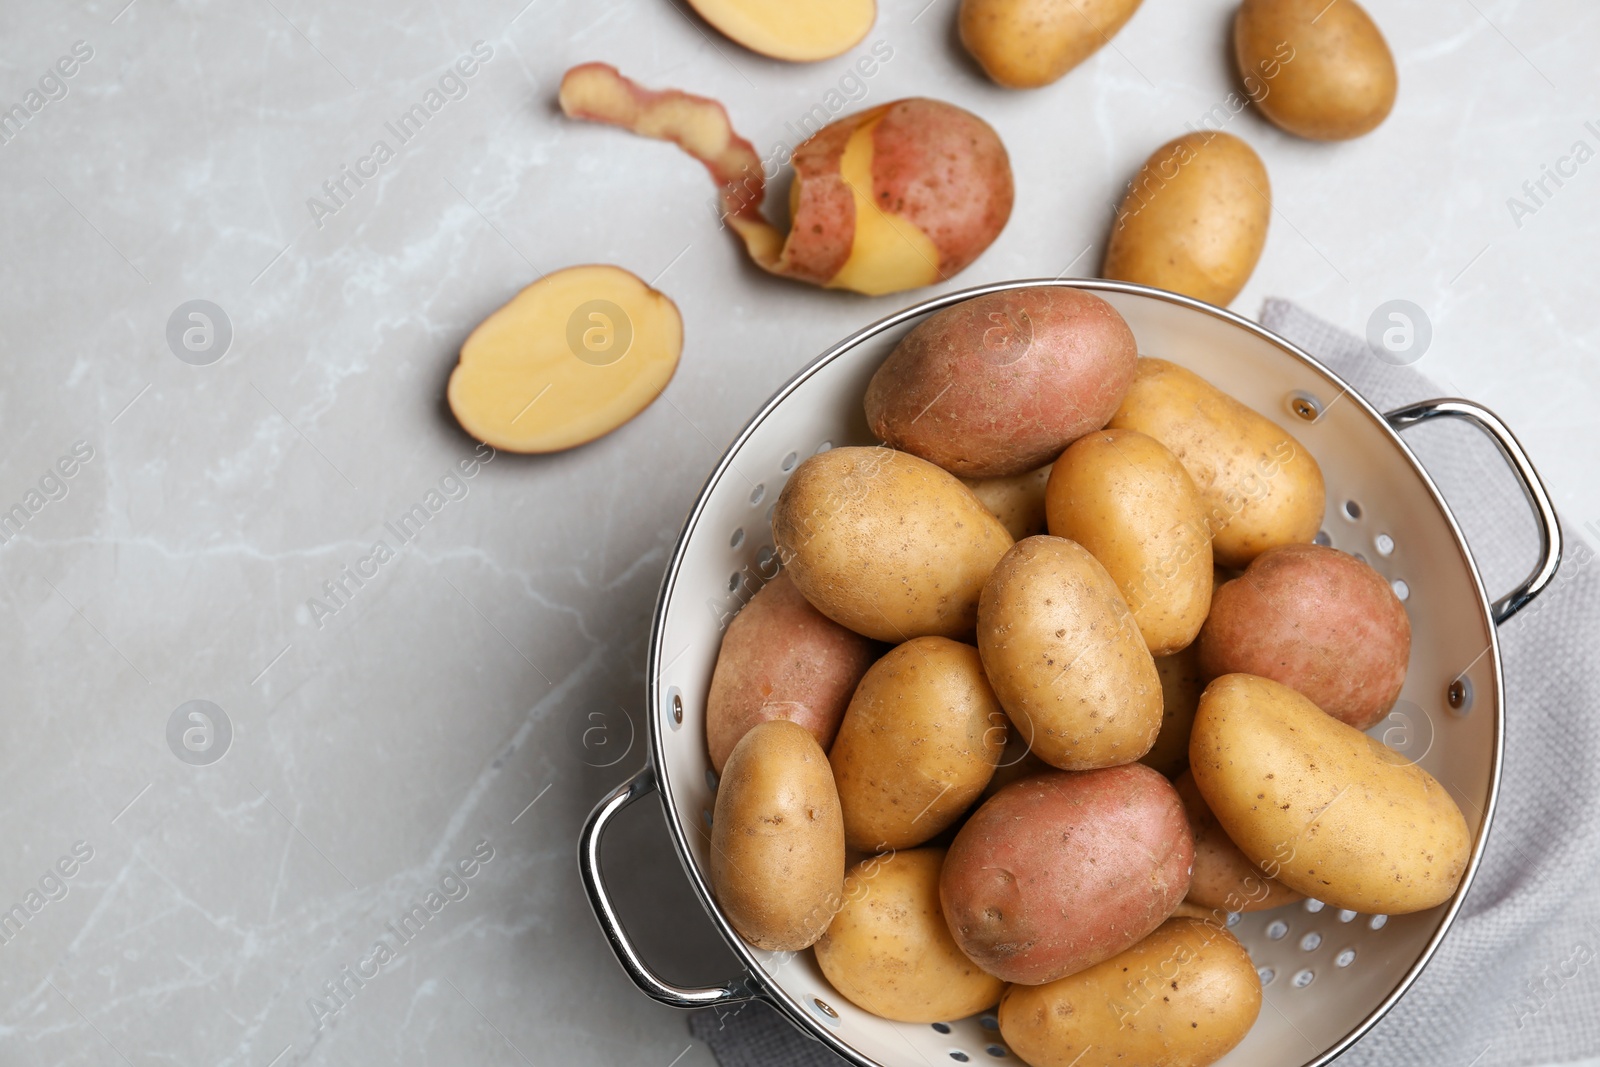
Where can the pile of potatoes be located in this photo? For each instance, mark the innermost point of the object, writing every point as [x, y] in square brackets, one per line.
[1048, 685]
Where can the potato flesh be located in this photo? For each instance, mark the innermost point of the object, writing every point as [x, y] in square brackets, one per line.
[887, 252]
[785, 29]
[555, 367]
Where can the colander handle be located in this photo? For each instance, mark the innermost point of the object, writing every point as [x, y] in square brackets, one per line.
[1544, 512]
[653, 985]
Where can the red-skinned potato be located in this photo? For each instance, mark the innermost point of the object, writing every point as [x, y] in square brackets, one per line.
[1317, 620]
[898, 196]
[781, 658]
[1000, 384]
[1064, 869]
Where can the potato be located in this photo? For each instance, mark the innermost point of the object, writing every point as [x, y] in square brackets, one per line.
[799, 33]
[781, 658]
[1181, 685]
[904, 194]
[1182, 997]
[1223, 878]
[1063, 654]
[1023, 44]
[918, 744]
[1261, 487]
[1322, 807]
[1017, 501]
[1017, 761]
[1062, 870]
[1000, 384]
[569, 359]
[1194, 219]
[888, 950]
[1325, 70]
[886, 544]
[1319, 621]
[1129, 501]
[777, 838]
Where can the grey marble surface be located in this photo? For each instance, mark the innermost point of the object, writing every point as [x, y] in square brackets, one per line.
[434, 723]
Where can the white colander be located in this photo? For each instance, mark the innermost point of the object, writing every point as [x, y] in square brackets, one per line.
[1327, 975]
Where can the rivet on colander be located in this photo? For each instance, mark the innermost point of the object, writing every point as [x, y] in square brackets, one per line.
[677, 708]
[824, 1008]
[1459, 695]
[1306, 406]
[1303, 978]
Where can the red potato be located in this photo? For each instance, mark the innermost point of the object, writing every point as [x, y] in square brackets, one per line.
[1317, 620]
[898, 196]
[1064, 869]
[1000, 384]
[782, 659]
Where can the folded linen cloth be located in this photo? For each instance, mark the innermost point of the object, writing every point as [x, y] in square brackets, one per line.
[1517, 980]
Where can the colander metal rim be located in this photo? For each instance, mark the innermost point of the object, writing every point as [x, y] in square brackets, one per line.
[757, 979]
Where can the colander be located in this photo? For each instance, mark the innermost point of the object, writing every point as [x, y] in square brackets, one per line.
[1328, 975]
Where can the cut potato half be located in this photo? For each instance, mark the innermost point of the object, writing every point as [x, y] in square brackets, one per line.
[797, 30]
[569, 359]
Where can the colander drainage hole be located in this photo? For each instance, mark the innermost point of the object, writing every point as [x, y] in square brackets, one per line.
[823, 447]
[989, 1022]
[758, 494]
[789, 461]
[1303, 978]
[996, 1051]
[1401, 589]
[1266, 974]
[1345, 958]
[733, 581]
[1384, 544]
[1346, 916]
[1352, 510]
[711, 779]
[1277, 930]
[943, 1028]
[1313, 905]
[1311, 942]
[959, 1056]
[1323, 539]
[1377, 922]
[737, 539]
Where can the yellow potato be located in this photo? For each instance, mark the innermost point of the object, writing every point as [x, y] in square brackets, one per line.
[889, 951]
[1322, 807]
[569, 359]
[1321, 70]
[1128, 500]
[1194, 219]
[918, 743]
[887, 544]
[1017, 501]
[1223, 878]
[1181, 685]
[1023, 44]
[1260, 486]
[1182, 997]
[777, 838]
[1064, 656]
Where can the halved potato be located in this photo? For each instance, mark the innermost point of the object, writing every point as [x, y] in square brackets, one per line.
[784, 29]
[569, 359]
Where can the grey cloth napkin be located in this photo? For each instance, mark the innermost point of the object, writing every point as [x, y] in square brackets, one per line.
[1517, 980]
